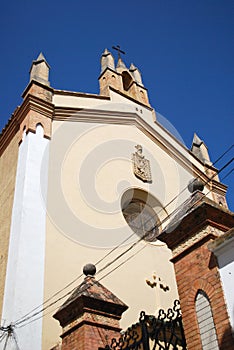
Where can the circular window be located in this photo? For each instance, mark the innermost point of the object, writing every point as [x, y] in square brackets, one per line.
[142, 219]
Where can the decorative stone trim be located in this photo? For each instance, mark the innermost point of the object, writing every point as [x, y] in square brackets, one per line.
[32, 112]
[187, 243]
[30, 123]
[93, 320]
[128, 118]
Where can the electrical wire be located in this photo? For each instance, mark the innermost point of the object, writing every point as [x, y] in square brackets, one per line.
[24, 318]
[222, 155]
[108, 264]
[125, 240]
[15, 339]
[133, 255]
[3, 336]
[7, 338]
[229, 173]
[115, 259]
[107, 274]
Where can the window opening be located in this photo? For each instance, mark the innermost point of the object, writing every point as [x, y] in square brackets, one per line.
[142, 219]
[206, 322]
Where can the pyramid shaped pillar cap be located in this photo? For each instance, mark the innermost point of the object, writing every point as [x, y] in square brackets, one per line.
[90, 316]
[107, 61]
[39, 70]
[200, 150]
[90, 295]
[120, 65]
[136, 74]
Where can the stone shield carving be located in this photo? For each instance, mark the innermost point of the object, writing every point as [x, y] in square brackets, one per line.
[141, 165]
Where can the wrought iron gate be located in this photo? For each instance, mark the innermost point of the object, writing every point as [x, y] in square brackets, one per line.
[164, 332]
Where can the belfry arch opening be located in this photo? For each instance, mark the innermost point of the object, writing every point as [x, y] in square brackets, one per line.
[127, 80]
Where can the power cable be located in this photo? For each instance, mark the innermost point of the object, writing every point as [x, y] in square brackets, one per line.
[15, 339]
[229, 173]
[127, 259]
[125, 240]
[115, 268]
[107, 265]
[222, 155]
[22, 320]
[2, 336]
[118, 257]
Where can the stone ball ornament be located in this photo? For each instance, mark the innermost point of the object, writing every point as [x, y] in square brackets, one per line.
[89, 270]
[195, 185]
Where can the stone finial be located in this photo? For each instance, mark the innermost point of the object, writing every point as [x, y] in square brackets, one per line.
[136, 74]
[120, 63]
[200, 150]
[90, 316]
[39, 70]
[89, 270]
[195, 185]
[107, 61]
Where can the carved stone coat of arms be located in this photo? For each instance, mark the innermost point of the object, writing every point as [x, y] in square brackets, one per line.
[141, 165]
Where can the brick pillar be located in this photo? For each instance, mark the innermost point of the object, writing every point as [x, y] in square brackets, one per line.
[196, 266]
[90, 317]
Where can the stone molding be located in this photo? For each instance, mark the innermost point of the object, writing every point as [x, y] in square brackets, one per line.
[36, 110]
[199, 218]
[197, 237]
[33, 111]
[130, 118]
[91, 319]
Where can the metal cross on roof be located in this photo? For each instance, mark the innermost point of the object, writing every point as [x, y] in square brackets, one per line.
[117, 48]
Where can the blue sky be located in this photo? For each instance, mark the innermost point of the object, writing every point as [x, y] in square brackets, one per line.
[184, 49]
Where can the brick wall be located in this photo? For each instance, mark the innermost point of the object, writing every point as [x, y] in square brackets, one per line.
[90, 317]
[197, 270]
[88, 337]
[8, 165]
[200, 222]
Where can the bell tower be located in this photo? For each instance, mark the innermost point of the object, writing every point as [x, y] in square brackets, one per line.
[119, 77]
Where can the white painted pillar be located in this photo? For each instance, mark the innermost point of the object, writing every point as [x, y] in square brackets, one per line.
[224, 253]
[24, 287]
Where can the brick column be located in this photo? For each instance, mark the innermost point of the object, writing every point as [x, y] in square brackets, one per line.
[90, 317]
[199, 223]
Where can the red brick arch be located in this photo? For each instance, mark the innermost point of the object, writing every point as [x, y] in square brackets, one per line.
[200, 284]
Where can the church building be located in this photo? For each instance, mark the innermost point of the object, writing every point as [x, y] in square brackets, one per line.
[95, 178]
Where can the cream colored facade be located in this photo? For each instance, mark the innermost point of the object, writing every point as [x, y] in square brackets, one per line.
[81, 148]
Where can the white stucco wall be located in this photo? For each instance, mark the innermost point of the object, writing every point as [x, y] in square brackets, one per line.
[90, 169]
[120, 103]
[25, 270]
[225, 255]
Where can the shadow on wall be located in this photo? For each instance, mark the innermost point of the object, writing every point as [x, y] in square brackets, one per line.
[227, 342]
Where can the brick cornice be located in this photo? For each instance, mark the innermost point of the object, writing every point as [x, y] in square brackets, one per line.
[79, 323]
[205, 214]
[30, 104]
[88, 305]
[36, 104]
[7, 134]
[35, 82]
